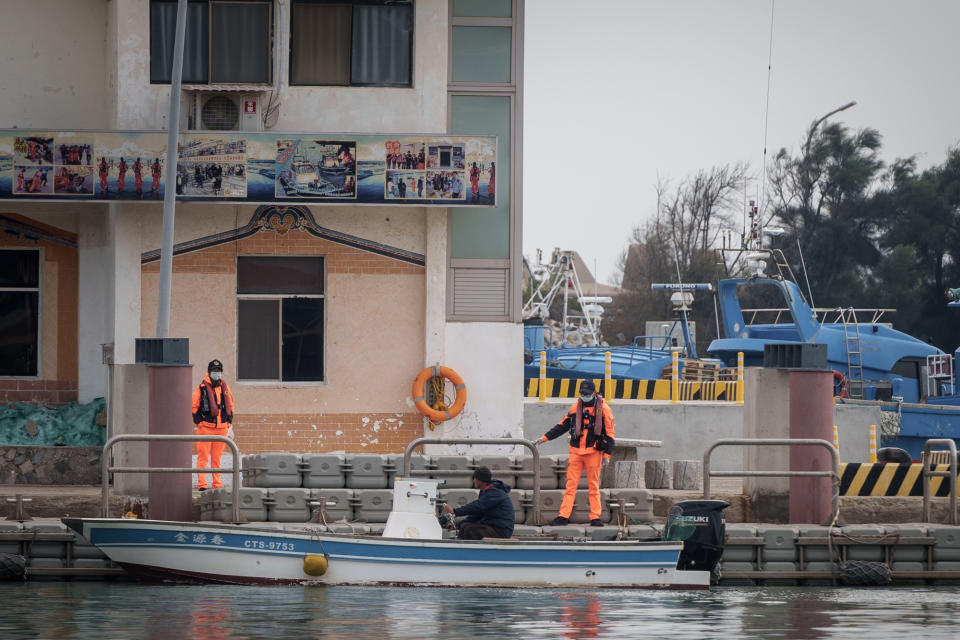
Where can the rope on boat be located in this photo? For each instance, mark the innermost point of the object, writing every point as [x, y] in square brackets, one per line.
[890, 423]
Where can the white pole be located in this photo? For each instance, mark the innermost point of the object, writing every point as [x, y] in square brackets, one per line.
[170, 182]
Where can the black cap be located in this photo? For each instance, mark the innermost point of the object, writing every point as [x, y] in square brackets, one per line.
[214, 365]
[483, 475]
[587, 386]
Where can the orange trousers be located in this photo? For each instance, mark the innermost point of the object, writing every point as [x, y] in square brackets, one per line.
[590, 461]
[208, 456]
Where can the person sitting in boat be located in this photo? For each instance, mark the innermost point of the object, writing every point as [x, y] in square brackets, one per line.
[590, 425]
[491, 514]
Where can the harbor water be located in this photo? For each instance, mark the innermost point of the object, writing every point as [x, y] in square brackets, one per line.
[126, 610]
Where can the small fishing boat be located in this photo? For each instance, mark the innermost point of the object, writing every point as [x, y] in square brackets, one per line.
[411, 552]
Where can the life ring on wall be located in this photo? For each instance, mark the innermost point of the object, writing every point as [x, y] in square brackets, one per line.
[439, 411]
[839, 385]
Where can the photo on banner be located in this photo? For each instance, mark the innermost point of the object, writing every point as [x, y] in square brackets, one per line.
[73, 169]
[311, 168]
[405, 154]
[446, 156]
[445, 185]
[481, 155]
[366, 169]
[405, 185]
[6, 163]
[211, 166]
[129, 166]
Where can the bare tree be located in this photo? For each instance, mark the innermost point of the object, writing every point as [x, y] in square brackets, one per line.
[691, 214]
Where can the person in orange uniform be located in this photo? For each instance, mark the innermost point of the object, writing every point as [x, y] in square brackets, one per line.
[590, 425]
[213, 415]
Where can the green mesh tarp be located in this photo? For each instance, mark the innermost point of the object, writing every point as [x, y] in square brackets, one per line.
[71, 425]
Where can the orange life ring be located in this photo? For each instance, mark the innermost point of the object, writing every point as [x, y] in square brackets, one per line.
[442, 412]
[840, 381]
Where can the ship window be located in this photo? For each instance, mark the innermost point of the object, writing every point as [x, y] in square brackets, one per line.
[280, 318]
[20, 312]
[907, 368]
[364, 42]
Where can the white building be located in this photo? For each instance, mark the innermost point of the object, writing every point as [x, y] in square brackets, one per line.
[395, 288]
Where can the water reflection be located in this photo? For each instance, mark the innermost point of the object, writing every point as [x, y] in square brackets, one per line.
[122, 610]
[581, 615]
[808, 618]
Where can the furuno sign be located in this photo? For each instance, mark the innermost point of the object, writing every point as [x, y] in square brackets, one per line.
[250, 167]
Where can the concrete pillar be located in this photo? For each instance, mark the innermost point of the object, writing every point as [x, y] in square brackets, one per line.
[766, 415]
[485, 354]
[788, 404]
[435, 310]
[811, 416]
[435, 306]
[130, 414]
[170, 493]
[123, 303]
[93, 284]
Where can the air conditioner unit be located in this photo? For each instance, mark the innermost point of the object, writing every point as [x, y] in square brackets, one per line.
[225, 111]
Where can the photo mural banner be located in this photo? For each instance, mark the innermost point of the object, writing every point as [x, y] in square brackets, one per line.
[98, 166]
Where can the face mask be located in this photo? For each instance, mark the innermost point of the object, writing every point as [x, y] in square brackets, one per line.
[586, 398]
[215, 376]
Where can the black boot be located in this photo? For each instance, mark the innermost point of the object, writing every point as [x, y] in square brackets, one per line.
[596, 522]
[559, 521]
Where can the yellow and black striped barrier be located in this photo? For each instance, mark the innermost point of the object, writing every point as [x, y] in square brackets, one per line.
[869, 479]
[634, 389]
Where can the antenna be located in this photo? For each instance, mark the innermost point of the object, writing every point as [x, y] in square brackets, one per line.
[688, 343]
[809, 290]
[766, 114]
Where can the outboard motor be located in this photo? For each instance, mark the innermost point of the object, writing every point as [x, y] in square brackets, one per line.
[701, 526]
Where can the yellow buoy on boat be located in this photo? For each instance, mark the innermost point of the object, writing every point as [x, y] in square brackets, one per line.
[314, 565]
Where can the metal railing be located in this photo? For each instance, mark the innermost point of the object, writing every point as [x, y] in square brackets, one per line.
[875, 317]
[130, 437]
[950, 473]
[408, 472]
[835, 474]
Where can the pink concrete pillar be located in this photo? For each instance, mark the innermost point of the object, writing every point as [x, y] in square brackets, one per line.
[811, 416]
[170, 494]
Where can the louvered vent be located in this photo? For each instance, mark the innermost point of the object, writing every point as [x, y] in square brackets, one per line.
[220, 113]
[480, 292]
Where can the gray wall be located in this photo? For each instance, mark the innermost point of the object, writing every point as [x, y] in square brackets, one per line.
[687, 429]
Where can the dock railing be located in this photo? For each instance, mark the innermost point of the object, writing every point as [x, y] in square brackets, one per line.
[408, 472]
[951, 473]
[132, 437]
[787, 442]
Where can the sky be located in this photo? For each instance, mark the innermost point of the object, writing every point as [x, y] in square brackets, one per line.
[621, 93]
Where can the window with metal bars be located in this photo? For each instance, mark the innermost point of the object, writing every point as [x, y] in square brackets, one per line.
[19, 312]
[280, 318]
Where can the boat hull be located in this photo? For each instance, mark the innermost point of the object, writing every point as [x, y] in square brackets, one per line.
[203, 552]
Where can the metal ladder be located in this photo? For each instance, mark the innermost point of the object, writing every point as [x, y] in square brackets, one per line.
[851, 343]
[783, 267]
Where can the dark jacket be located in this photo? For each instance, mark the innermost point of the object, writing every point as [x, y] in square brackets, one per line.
[568, 424]
[492, 507]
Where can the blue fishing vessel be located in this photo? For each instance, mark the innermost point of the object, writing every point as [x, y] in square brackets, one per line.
[577, 351]
[913, 382]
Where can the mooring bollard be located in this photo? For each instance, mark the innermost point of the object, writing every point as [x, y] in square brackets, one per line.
[740, 377]
[607, 381]
[542, 383]
[873, 443]
[675, 379]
